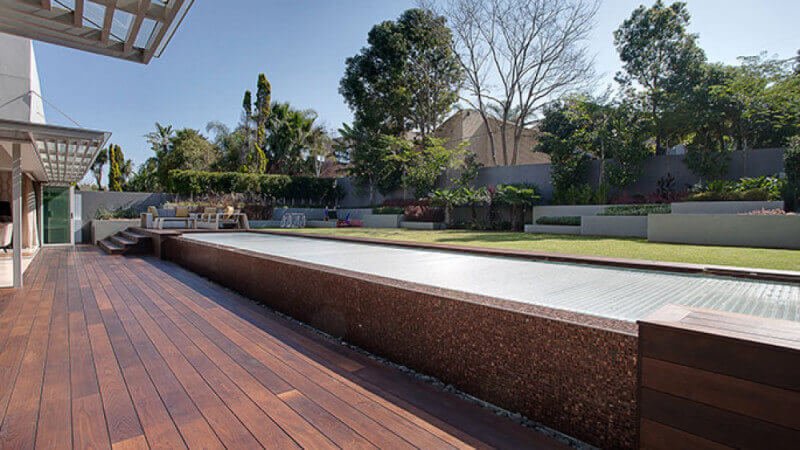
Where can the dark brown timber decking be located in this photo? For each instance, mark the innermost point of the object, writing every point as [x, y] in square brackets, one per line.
[121, 352]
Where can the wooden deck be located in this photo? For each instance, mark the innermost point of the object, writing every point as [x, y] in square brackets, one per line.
[103, 351]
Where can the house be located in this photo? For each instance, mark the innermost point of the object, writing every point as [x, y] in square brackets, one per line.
[468, 126]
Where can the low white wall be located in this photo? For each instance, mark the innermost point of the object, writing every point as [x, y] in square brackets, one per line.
[553, 229]
[321, 223]
[383, 220]
[723, 207]
[102, 229]
[623, 226]
[725, 229]
[422, 225]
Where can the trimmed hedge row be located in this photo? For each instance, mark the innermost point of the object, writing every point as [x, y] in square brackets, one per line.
[574, 221]
[187, 182]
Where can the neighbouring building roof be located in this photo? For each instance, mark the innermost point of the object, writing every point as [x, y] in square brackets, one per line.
[133, 30]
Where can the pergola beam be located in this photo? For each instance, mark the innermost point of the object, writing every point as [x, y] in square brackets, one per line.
[108, 19]
[156, 38]
[133, 31]
[77, 18]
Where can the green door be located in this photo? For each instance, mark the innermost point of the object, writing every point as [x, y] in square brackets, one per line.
[56, 205]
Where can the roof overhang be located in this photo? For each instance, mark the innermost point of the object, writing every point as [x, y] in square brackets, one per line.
[134, 30]
[54, 154]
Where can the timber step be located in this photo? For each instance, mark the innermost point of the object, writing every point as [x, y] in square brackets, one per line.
[110, 247]
[126, 242]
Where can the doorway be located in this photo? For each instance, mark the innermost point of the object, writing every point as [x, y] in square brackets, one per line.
[57, 212]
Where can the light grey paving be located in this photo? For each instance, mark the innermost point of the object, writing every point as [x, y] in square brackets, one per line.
[609, 292]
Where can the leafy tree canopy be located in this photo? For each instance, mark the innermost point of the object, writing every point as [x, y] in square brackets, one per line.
[407, 76]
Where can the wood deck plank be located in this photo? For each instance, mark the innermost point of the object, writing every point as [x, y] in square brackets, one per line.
[225, 424]
[194, 428]
[345, 397]
[159, 429]
[301, 431]
[118, 352]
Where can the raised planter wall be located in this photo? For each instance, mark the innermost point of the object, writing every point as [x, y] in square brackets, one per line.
[622, 226]
[319, 213]
[725, 229]
[383, 220]
[571, 376]
[723, 207]
[567, 210]
[423, 225]
[102, 229]
[553, 229]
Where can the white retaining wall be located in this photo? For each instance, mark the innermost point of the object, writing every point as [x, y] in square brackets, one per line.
[422, 225]
[725, 229]
[383, 220]
[622, 226]
[553, 229]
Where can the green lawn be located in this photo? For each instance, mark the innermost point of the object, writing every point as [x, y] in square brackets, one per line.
[585, 245]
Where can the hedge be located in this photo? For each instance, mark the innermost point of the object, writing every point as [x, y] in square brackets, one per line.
[187, 182]
[574, 221]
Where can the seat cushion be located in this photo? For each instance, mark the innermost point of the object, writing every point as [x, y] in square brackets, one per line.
[181, 211]
[166, 213]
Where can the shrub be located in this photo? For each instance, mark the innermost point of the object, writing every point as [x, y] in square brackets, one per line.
[119, 213]
[745, 189]
[767, 212]
[637, 210]
[574, 221]
[191, 182]
[423, 213]
[388, 210]
[404, 202]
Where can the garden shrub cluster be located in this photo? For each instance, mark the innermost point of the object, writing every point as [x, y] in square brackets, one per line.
[574, 221]
[636, 210]
[745, 189]
[190, 182]
[423, 213]
[119, 213]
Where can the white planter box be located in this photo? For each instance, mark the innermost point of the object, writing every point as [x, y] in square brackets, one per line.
[725, 229]
[423, 225]
[553, 229]
[383, 220]
[623, 226]
[321, 223]
[102, 229]
[723, 207]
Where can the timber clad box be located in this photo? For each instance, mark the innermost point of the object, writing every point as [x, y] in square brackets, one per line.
[710, 379]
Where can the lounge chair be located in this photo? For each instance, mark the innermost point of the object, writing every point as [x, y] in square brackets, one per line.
[214, 219]
[6, 236]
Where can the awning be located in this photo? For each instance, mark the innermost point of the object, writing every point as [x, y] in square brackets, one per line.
[135, 30]
[54, 154]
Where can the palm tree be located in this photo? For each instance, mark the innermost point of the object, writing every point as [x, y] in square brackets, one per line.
[160, 139]
[97, 167]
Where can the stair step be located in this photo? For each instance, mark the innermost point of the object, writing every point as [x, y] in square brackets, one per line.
[110, 247]
[133, 236]
[121, 241]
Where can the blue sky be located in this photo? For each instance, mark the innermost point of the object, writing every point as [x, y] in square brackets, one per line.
[301, 45]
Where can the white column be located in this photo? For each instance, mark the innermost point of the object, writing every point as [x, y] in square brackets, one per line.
[16, 208]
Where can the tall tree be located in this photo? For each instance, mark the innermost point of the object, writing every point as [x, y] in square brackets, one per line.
[186, 150]
[257, 159]
[116, 161]
[517, 56]
[661, 62]
[366, 155]
[97, 167]
[406, 78]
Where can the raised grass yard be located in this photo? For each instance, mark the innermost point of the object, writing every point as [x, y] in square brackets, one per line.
[586, 245]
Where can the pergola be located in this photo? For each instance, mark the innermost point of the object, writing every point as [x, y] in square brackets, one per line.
[49, 154]
[134, 30]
